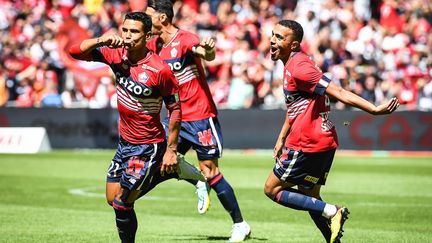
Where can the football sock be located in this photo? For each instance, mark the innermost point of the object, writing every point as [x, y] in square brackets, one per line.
[126, 222]
[322, 224]
[292, 198]
[329, 210]
[226, 196]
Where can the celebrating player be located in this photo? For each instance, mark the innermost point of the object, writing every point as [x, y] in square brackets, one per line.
[144, 157]
[307, 142]
[200, 128]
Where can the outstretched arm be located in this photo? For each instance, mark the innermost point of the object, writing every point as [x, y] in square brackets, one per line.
[206, 49]
[354, 100]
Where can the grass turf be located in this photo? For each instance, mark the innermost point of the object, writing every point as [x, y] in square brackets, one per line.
[59, 197]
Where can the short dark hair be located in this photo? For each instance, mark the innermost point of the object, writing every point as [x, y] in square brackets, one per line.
[295, 27]
[162, 6]
[142, 17]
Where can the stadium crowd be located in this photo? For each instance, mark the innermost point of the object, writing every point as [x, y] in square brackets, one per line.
[377, 49]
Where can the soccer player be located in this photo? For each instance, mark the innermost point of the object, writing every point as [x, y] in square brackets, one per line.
[200, 129]
[307, 142]
[144, 156]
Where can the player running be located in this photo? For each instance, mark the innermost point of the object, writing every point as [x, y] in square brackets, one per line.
[200, 129]
[144, 156]
[307, 142]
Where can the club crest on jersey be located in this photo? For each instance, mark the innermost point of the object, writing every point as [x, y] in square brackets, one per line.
[143, 77]
[174, 52]
[175, 43]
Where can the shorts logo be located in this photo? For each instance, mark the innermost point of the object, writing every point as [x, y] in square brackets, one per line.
[206, 137]
[311, 179]
[135, 165]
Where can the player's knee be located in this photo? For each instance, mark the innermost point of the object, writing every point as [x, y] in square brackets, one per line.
[270, 191]
[110, 199]
[121, 206]
[209, 168]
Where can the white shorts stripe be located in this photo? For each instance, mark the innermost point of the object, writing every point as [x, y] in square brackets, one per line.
[216, 136]
[288, 171]
[151, 162]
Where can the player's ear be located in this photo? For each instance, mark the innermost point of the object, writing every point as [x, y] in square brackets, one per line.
[295, 45]
[163, 17]
[149, 35]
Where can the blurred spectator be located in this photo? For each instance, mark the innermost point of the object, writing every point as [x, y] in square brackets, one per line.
[377, 49]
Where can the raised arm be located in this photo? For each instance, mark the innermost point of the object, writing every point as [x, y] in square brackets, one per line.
[206, 49]
[354, 100]
[82, 50]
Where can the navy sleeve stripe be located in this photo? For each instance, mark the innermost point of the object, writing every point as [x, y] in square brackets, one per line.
[322, 85]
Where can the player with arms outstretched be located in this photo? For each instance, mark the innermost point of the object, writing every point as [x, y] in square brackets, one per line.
[307, 142]
[200, 129]
[144, 156]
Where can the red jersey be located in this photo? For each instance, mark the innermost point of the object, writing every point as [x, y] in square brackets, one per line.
[140, 89]
[195, 97]
[308, 107]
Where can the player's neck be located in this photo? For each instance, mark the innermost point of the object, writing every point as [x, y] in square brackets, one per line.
[137, 56]
[168, 33]
[290, 57]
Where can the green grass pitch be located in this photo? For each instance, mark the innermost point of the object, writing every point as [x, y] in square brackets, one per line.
[59, 197]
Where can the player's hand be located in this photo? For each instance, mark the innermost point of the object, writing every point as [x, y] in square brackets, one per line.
[387, 108]
[208, 44]
[169, 162]
[112, 41]
[278, 148]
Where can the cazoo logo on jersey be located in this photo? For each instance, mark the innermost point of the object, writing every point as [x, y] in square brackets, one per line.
[132, 86]
[175, 66]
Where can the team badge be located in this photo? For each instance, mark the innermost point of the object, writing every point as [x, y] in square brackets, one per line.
[175, 43]
[143, 77]
[174, 52]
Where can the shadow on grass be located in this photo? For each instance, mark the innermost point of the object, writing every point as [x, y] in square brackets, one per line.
[209, 238]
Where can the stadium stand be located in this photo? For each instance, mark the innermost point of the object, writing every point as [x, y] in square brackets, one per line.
[378, 49]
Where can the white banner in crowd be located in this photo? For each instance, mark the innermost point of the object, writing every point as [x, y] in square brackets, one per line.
[24, 140]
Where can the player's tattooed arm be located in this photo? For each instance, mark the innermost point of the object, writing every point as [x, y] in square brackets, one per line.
[82, 51]
[205, 49]
[169, 162]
